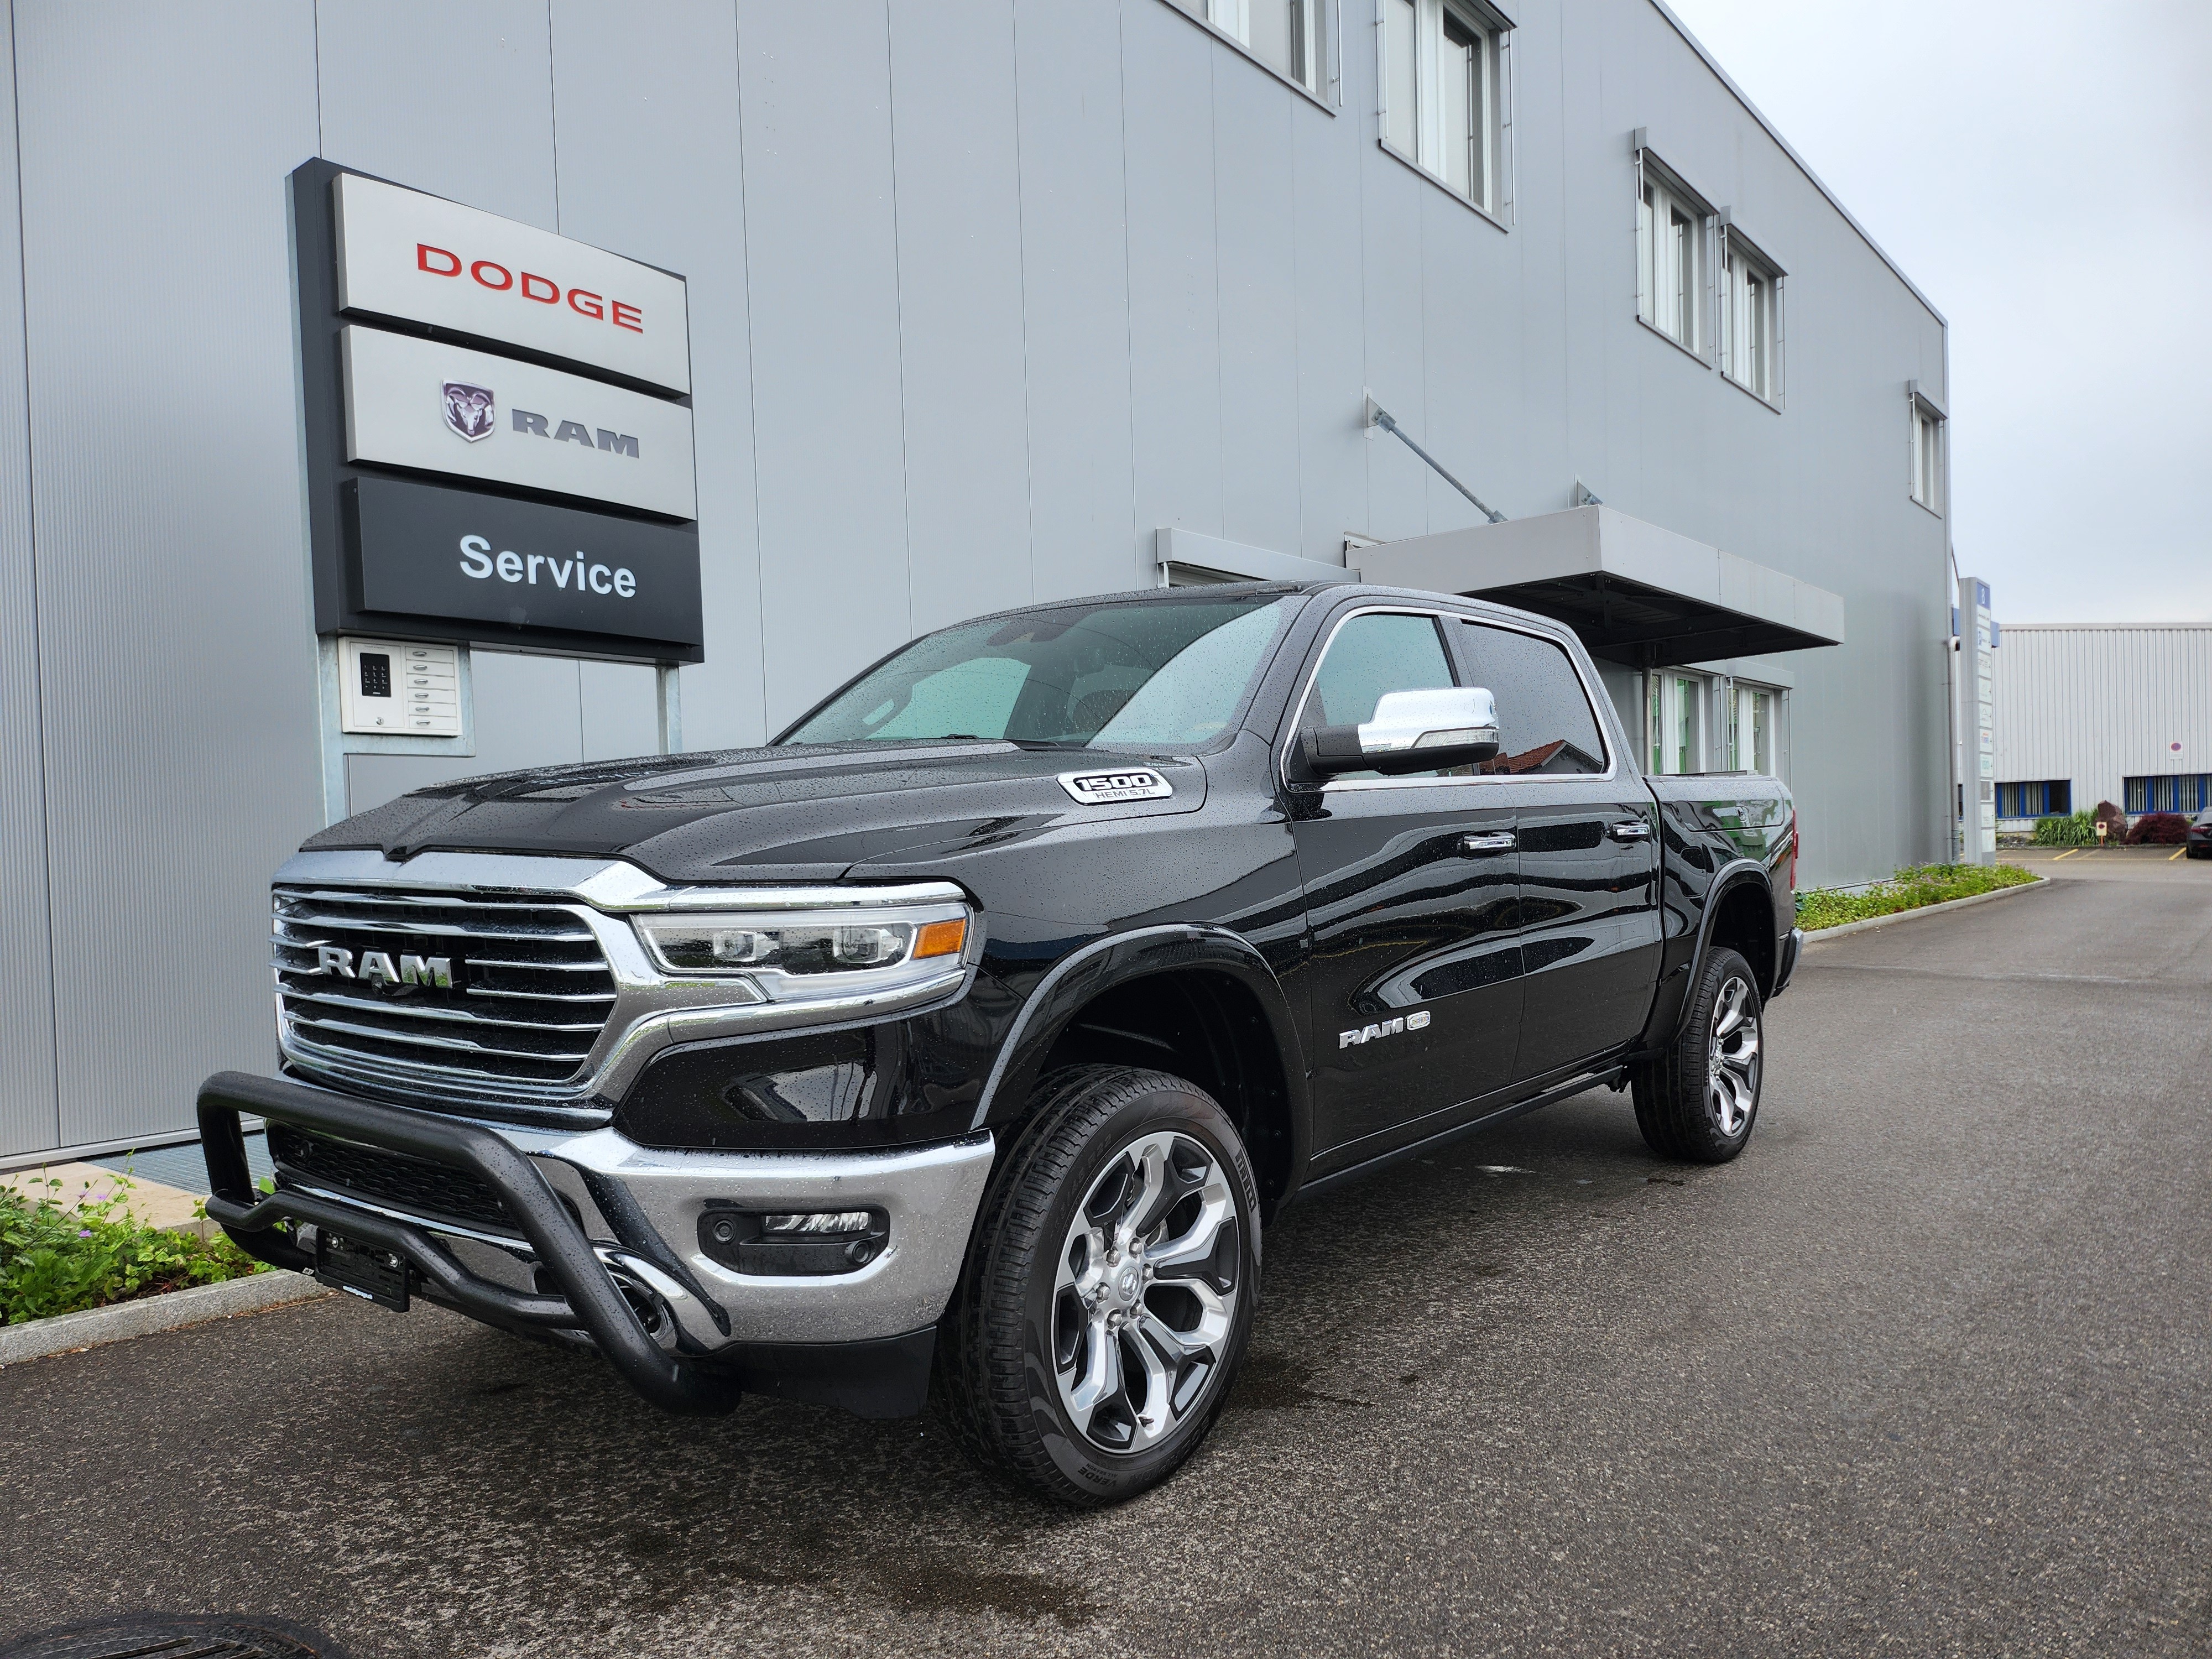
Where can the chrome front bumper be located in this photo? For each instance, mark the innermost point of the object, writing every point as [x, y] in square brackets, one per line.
[605, 1240]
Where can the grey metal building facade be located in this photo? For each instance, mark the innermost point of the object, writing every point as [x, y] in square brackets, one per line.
[2102, 712]
[984, 295]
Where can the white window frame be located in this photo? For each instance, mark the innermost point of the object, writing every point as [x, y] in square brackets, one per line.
[1412, 62]
[1744, 746]
[1669, 298]
[1750, 337]
[1928, 433]
[1670, 695]
[1315, 38]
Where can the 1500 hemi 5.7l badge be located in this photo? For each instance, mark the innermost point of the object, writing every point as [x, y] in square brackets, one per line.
[1103, 789]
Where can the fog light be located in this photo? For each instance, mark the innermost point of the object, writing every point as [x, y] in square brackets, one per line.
[784, 1243]
[818, 1221]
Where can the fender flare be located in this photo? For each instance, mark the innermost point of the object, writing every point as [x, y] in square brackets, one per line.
[1667, 1021]
[1118, 959]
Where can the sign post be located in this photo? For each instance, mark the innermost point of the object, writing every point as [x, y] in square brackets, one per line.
[1977, 817]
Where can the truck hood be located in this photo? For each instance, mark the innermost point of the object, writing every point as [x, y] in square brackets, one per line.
[796, 814]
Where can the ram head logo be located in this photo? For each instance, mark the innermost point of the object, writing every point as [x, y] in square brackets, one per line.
[469, 409]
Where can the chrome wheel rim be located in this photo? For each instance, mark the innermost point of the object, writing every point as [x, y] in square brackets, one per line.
[1732, 1058]
[1146, 1295]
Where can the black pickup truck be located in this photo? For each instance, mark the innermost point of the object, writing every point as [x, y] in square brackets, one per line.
[974, 1030]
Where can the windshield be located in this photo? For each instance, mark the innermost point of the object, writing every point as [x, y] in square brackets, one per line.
[1157, 674]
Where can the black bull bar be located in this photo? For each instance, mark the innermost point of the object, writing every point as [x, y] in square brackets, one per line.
[590, 1300]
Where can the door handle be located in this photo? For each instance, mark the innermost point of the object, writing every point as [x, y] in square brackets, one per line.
[1475, 846]
[1630, 830]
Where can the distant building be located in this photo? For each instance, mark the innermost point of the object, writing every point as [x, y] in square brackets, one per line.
[2119, 712]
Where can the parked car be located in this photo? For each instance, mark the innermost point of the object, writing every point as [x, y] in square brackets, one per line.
[2198, 843]
[984, 1024]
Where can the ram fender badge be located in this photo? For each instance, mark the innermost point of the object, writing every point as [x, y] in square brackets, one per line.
[1387, 1028]
[1126, 783]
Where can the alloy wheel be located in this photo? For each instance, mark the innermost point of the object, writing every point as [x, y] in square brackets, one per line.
[1732, 1058]
[1146, 1294]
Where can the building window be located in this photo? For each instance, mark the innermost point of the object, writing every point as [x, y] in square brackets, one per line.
[2052, 797]
[1676, 707]
[1290, 37]
[1927, 453]
[1670, 256]
[2188, 792]
[1442, 89]
[1748, 713]
[1751, 318]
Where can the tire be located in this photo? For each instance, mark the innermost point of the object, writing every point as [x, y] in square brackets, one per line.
[1044, 1322]
[1699, 1101]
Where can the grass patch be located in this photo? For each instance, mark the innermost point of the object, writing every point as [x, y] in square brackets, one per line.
[1908, 890]
[62, 1252]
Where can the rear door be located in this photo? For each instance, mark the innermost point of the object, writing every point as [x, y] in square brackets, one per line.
[1414, 984]
[1588, 921]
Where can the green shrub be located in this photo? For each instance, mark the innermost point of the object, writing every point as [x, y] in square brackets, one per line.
[56, 1258]
[1908, 890]
[2080, 829]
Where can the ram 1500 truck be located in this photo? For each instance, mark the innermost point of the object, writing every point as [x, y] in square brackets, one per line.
[977, 1027]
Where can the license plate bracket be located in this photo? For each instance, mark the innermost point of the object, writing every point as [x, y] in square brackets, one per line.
[367, 1271]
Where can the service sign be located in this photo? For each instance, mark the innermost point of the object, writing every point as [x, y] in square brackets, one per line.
[421, 403]
[425, 550]
[422, 260]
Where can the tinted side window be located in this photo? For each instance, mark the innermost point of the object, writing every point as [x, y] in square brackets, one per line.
[1545, 723]
[1369, 656]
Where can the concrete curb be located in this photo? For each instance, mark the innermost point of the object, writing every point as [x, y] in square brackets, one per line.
[1823, 935]
[38, 1337]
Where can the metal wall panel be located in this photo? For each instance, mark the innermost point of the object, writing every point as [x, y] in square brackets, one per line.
[1469, 291]
[958, 178]
[176, 671]
[1175, 334]
[822, 262]
[1075, 300]
[454, 100]
[1325, 157]
[28, 1117]
[1254, 197]
[1396, 366]
[649, 165]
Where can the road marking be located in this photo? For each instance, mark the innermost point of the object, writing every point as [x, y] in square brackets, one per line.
[2066, 854]
[2177, 851]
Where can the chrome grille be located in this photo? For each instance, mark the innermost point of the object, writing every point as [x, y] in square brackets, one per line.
[530, 988]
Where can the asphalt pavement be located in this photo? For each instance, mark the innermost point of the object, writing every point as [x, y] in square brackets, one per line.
[1922, 1373]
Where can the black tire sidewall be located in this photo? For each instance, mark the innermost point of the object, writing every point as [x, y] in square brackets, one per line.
[1162, 1102]
[1721, 966]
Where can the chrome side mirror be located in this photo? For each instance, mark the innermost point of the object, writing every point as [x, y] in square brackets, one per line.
[1411, 731]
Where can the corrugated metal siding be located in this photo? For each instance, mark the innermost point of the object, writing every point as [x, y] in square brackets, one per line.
[176, 666]
[2099, 705]
[983, 292]
[27, 1114]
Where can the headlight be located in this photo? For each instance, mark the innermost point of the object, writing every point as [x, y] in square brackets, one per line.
[794, 956]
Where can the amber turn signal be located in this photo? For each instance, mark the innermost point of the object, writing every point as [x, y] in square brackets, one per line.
[941, 939]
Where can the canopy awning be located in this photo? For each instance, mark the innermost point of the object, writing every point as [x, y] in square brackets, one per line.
[1636, 593]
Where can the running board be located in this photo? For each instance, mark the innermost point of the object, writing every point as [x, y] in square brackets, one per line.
[1607, 1076]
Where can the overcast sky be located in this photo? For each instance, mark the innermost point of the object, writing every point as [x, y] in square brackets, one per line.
[2044, 175]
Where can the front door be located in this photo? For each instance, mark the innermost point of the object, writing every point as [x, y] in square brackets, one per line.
[1414, 984]
[1589, 924]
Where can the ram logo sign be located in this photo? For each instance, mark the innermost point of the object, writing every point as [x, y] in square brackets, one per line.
[1387, 1028]
[377, 968]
